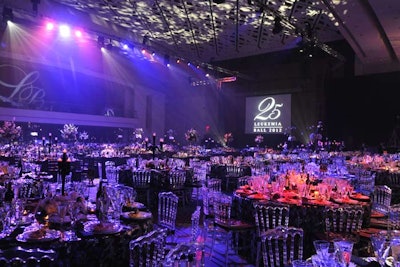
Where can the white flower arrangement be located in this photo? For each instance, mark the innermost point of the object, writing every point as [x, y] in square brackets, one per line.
[108, 152]
[191, 135]
[259, 139]
[138, 133]
[228, 138]
[69, 132]
[83, 136]
[10, 130]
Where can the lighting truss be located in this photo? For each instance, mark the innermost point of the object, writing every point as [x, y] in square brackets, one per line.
[296, 30]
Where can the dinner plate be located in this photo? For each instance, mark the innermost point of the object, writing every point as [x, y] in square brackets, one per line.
[289, 200]
[257, 196]
[359, 196]
[244, 192]
[139, 215]
[55, 219]
[101, 228]
[319, 202]
[39, 235]
[346, 201]
[135, 205]
[376, 214]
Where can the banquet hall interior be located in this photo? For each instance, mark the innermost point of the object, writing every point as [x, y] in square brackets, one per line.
[199, 133]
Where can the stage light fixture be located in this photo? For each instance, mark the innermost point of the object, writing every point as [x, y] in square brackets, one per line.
[7, 14]
[78, 33]
[100, 41]
[49, 26]
[64, 31]
[166, 59]
[277, 26]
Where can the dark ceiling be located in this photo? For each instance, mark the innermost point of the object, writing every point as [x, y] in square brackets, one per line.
[210, 30]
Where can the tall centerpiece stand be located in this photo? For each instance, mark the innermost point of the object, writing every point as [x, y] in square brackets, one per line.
[153, 147]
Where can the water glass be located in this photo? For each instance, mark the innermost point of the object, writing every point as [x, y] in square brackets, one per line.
[322, 248]
[381, 246]
[345, 249]
[62, 211]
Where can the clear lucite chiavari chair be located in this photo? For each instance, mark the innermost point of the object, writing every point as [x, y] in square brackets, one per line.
[167, 211]
[381, 198]
[177, 184]
[196, 229]
[141, 182]
[214, 184]
[268, 216]
[148, 250]
[281, 245]
[229, 226]
[343, 222]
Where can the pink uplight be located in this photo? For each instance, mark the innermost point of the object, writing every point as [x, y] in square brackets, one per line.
[49, 26]
[78, 33]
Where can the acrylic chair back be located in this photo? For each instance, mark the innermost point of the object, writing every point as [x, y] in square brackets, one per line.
[268, 216]
[167, 210]
[196, 230]
[214, 184]
[393, 217]
[282, 245]
[148, 250]
[141, 178]
[381, 198]
[343, 221]
[223, 209]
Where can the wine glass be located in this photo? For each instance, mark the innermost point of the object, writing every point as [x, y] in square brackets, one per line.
[74, 210]
[344, 248]
[62, 211]
[381, 246]
[5, 221]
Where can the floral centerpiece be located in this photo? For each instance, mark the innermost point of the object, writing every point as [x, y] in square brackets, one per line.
[191, 135]
[228, 138]
[138, 133]
[83, 136]
[108, 151]
[171, 136]
[69, 132]
[259, 139]
[10, 131]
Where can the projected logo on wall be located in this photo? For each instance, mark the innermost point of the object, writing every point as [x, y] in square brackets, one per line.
[268, 114]
[20, 89]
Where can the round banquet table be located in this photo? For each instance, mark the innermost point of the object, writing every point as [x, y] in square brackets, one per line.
[85, 248]
[308, 216]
